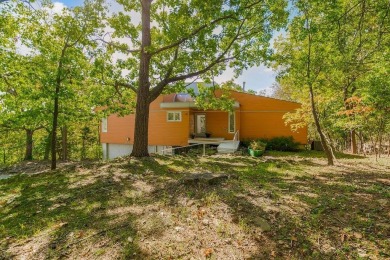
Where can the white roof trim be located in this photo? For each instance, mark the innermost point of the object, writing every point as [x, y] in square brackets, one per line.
[186, 104]
[177, 104]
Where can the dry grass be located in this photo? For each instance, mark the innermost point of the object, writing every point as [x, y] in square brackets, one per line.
[283, 205]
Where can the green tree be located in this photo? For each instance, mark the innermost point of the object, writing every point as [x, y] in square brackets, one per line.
[301, 55]
[20, 104]
[179, 40]
[358, 34]
[329, 50]
[63, 44]
[24, 107]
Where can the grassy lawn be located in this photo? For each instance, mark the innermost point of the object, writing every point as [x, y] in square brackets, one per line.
[283, 205]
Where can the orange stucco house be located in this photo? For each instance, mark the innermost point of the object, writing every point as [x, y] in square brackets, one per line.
[174, 121]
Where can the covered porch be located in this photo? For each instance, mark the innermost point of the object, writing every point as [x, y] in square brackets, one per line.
[205, 127]
[215, 124]
[224, 146]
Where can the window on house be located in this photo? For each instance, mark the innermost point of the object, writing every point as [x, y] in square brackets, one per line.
[232, 122]
[174, 116]
[104, 125]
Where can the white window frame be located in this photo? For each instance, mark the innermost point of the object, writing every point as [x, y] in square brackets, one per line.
[234, 125]
[104, 125]
[174, 116]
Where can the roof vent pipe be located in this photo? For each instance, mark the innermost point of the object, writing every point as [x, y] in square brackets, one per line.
[243, 86]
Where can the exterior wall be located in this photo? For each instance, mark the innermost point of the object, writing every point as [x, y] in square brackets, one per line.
[111, 151]
[191, 129]
[267, 125]
[163, 132]
[121, 129]
[105, 151]
[257, 117]
[262, 117]
[217, 123]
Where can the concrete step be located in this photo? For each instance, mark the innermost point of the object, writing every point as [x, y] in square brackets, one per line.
[228, 147]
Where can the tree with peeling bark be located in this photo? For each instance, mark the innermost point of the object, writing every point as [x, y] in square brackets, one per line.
[177, 41]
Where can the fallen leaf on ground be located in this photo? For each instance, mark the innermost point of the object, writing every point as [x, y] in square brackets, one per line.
[208, 252]
[357, 235]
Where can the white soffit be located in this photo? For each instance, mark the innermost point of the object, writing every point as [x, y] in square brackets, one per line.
[186, 104]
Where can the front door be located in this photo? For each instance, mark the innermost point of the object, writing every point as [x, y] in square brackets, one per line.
[200, 124]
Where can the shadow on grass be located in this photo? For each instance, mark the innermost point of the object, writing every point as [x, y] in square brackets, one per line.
[56, 211]
[284, 211]
[336, 220]
[262, 226]
[312, 154]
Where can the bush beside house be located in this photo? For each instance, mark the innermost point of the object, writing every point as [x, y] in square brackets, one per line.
[282, 143]
[256, 148]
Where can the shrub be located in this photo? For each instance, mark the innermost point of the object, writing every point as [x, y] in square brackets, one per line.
[245, 142]
[257, 145]
[282, 143]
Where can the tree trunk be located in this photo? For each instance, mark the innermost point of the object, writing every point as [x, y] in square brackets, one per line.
[55, 110]
[361, 140]
[325, 146]
[331, 142]
[29, 145]
[64, 137]
[140, 147]
[353, 142]
[99, 152]
[47, 148]
[327, 149]
[84, 136]
[380, 133]
[83, 152]
[54, 130]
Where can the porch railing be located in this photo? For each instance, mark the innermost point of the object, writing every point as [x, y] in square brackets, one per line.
[236, 138]
[163, 152]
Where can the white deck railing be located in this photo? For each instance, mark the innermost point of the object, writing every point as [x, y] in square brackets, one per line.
[163, 152]
[236, 138]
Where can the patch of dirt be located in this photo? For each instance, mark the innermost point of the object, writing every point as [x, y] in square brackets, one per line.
[27, 168]
[100, 247]
[160, 208]
[196, 232]
[36, 247]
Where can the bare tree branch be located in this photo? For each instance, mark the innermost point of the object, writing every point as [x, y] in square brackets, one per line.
[29, 4]
[126, 85]
[158, 89]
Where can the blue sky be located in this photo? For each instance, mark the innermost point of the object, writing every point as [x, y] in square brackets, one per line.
[71, 2]
[256, 78]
